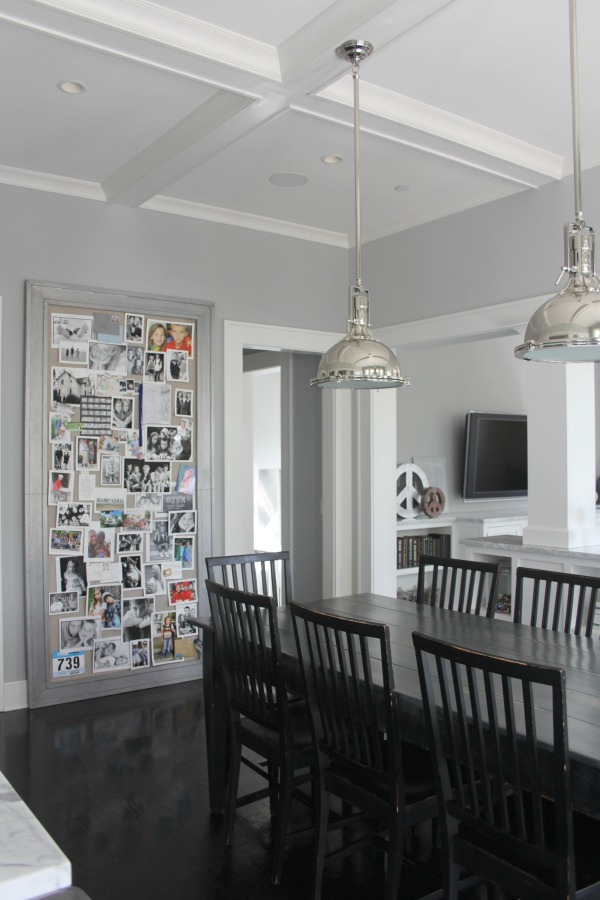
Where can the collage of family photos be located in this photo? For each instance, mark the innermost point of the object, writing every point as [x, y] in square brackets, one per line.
[122, 520]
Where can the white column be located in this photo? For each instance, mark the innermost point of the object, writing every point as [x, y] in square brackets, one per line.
[339, 508]
[561, 455]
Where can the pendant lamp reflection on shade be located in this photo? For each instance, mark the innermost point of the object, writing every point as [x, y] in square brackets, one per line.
[359, 361]
[567, 327]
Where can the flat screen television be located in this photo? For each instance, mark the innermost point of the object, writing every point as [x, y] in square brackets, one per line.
[495, 456]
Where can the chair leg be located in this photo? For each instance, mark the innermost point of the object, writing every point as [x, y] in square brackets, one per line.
[234, 777]
[284, 802]
[322, 803]
[395, 853]
[273, 776]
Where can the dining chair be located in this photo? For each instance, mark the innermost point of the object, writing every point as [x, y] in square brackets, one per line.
[559, 602]
[268, 574]
[261, 719]
[498, 732]
[458, 584]
[349, 683]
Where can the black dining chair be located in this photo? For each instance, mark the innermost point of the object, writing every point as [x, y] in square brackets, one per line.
[268, 574]
[458, 584]
[498, 733]
[261, 719]
[557, 601]
[357, 730]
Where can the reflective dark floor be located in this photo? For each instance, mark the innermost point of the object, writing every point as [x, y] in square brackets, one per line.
[120, 784]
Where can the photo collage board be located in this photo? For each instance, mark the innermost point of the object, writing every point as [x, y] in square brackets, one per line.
[122, 517]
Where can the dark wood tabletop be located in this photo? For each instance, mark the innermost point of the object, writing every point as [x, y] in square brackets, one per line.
[578, 656]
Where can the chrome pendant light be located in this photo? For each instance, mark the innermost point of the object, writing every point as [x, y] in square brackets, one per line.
[359, 360]
[567, 327]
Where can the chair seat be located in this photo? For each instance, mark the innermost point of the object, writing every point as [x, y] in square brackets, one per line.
[262, 739]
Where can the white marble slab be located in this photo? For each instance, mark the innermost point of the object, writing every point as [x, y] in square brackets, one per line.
[31, 863]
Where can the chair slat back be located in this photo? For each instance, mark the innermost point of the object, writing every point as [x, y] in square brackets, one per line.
[556, 601]
[349, 681]
[499, 733]
[249, 652]
[268, 574]
[458, 584]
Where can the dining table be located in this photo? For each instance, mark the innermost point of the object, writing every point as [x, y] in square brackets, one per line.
[578, 656]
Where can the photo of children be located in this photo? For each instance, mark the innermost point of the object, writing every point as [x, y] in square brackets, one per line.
[182, 522]
[137, 618]
[157, 337]
[60, 487]
[180, 337]
[71, 574]
[134, 329]
[154, 366]
[63, 602]
[182, 591]
[87, 453]
[163, 636]
[106, 357]
[78, 634]
[140, 654]
[62, 455]
[111, 655]
[177, 365]
[183, 551]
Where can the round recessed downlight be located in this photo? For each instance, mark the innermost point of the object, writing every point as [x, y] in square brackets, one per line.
[332, 159]
[71, 87]
[288, 179]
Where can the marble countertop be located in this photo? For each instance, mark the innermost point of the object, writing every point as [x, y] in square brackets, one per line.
[31, 863]
[515, 543]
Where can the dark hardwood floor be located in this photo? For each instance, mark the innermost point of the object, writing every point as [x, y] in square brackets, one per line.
[120, 783]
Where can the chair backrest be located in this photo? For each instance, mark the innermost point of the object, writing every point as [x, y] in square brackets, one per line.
[498, 730]
[249, 651]
[458, 584]
[556, 601]
[350, 685]
[268, 574]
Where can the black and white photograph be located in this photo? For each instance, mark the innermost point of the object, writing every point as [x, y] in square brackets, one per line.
[110, 655]
[177, 502]
[182, 522]
[87, 454]
[129, 542]
[134, 328]
[180, 336]
[60, 487]
[183, 551]
[66, 327]
[140, 654]
[65, 541]
[110, 469]
[62, 456]
[78, 634]
[184, 626]
[169, 442]
[61, 602]
[177, 365]
[154, 582]
[71, 574]
[70, 385]
[73, 353]
[137, 618]
[122, 412]
[154, 366]
[78, 514]
[108, 357]
[152, 477]
[153, 502]
[132, 572]
[160, 543]
[135, 361]
[184, 400]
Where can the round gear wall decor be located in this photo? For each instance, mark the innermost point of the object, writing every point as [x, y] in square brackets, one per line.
[411, 481]
[433, 502]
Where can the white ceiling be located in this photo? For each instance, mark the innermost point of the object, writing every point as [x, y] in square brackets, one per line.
[191, 105]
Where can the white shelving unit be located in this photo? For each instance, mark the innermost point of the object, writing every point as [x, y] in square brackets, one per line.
[419, 527]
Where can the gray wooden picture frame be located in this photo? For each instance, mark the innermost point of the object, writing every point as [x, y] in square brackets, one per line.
[41, 299]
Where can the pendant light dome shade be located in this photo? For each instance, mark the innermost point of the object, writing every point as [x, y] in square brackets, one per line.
[359, 360]
[567, 327]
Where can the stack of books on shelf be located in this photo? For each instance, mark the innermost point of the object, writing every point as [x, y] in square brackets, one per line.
[411, 546]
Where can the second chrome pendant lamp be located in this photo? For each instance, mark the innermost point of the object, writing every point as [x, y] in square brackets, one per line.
[567, 327]
[358, 361]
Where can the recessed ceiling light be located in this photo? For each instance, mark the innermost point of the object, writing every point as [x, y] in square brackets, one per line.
[332, 159]
[71, 87]
[288, 179]
[401, 188]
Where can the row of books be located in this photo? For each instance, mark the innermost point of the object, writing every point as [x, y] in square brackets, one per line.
[411, 547]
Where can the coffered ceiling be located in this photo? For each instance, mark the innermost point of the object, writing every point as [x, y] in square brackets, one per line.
[199, 107]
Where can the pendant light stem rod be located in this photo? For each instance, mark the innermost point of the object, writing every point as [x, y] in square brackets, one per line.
[355, 77]
[575, 113]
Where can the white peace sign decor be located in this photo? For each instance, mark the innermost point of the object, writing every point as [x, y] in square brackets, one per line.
[411, 481]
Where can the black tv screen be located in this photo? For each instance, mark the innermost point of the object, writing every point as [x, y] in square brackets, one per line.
[495, 456]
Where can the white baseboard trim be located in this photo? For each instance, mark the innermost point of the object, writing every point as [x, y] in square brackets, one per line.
[15, 695]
